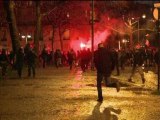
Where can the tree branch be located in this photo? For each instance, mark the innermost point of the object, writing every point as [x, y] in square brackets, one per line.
[144, 29]
[48, 12]
[115, 30]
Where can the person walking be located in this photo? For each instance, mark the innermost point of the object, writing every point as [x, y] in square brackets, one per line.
[116, 61]
[58, 58]
[19, 62]
[84, 58]
[31, 59]
[44, 56]
[104, 65]
[138, 60]
[4, 62]
[70, 56]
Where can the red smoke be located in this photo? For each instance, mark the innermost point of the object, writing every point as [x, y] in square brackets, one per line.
[98, 37]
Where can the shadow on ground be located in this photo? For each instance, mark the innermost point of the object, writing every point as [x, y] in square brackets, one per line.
[122, 84]
[109, 113]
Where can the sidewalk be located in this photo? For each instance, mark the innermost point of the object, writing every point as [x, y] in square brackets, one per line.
[61, 94]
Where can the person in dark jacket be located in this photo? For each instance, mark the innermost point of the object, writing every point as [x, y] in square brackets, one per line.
[4, 61]
[116, 61]
[84, 58]
[138, 60]
[12, 57]
[104, 65]
[58, 58]
[31, 59]
[44, 55]
[19, 61]
[70, 56]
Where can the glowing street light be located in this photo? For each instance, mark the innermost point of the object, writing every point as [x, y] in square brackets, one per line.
[23, 36]
[28, 36]
[67, 14]
[143, 16]
[124, 41]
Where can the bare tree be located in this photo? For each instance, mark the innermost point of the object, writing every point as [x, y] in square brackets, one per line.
[9, 7]
[57, 17]
[38, 26]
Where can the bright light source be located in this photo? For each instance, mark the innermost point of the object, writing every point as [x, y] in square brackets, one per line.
[143, 16]
[28, 36]
[67, 14]
[23, 36]
[82, 45]
[124, 40]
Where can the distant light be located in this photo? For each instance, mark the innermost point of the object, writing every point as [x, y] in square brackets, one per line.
[143, 16]
[23, 36]
[124, 40]
[67, 14]
[82, 45]
[28, 36]
[132, 18]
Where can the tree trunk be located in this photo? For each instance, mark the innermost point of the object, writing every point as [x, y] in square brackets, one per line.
[53, 36]
[38, 27]
[9, 6]
[60, 37]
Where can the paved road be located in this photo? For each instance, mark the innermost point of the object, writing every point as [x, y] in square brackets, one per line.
[61, 94]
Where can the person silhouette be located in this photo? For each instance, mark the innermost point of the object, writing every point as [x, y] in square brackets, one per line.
[104, 65]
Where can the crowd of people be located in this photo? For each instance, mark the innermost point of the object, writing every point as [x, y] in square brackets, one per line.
[105, 61]
[108, 59]
[17, 61]
[70, 58]
[27, 57]
[81, 58]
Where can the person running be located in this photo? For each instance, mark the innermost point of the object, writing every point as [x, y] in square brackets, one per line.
[138, 60]
[104, 65]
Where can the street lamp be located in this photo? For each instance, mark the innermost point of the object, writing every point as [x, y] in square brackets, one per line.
[124, 41]
[143, 16]
[138, 19]
[26, 37]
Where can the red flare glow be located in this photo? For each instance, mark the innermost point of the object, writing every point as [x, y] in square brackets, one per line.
[84, 43]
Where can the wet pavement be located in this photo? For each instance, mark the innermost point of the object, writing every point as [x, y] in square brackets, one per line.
[61, 94]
